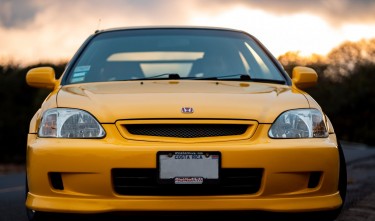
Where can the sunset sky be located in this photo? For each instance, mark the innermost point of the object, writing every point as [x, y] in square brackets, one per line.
[51, 30]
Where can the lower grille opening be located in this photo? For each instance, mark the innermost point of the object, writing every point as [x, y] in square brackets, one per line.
[56, 180]
[144, 182]
[314, 179]
[187, 130]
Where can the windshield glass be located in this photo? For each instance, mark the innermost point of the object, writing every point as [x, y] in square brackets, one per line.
[172, 53]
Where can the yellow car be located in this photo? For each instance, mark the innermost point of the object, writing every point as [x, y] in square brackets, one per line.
[180, 119]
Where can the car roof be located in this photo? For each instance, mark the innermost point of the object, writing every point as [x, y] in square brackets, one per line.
[168, 27]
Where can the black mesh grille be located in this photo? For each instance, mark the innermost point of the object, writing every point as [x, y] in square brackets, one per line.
[187, 130]
[144, 182]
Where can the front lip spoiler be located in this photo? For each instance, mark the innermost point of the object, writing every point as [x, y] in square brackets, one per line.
[198, 203]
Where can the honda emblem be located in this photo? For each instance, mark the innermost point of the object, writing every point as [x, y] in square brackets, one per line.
[187, 110]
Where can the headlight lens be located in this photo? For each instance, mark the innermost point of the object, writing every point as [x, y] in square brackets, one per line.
[69, 123]
[300, 123]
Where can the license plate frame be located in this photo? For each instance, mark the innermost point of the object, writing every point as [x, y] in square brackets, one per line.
[175, 168]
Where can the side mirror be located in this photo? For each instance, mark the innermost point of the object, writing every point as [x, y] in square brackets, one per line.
[43, 77]
[304, 77]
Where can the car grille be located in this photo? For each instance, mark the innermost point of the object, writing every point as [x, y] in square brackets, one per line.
[187, 130]
[144, 182]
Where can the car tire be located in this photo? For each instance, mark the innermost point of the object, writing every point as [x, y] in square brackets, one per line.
[342, 175]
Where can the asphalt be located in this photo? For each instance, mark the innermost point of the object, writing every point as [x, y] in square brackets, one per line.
[355, 152]
[361, 192]
[360, 197]
[12, 197]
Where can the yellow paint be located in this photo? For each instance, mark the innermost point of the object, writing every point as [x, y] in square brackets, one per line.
[86, 164]
[304, 77]
[160, 99]
[43, 77]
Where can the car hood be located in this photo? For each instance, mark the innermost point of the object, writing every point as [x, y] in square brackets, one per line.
[112, 101]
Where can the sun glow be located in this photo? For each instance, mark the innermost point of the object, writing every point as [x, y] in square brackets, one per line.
[305, 33]
[51, 36]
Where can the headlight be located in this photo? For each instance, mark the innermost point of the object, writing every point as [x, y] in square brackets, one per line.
[300, 123]
[69, 123]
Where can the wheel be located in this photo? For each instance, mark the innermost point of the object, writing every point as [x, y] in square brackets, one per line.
[343, 175]
[32, 215]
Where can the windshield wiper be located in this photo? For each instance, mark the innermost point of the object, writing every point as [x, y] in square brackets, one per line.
[239, 77]
[157, 77]
[268, 80]
[242, 77]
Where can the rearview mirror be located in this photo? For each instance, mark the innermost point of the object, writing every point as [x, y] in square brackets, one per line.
[304, 77]
[43, 77]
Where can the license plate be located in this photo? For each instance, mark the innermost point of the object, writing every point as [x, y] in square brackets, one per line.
[188, 167]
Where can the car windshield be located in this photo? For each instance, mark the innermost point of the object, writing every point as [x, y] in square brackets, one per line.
[156, 54]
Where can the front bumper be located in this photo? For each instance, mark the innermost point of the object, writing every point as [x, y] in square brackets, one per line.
[85, 167]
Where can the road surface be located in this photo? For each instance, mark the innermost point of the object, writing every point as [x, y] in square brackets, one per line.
[359, 206]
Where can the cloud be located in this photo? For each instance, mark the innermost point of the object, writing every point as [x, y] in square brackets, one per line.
[20, 13]
[35, 30]
[17, 13]
[337, 12]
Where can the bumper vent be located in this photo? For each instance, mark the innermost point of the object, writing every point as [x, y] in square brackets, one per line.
[187, 130]
[56, 180]
[314, 179]
[144, 182]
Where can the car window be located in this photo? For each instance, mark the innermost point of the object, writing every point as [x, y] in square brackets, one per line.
[156, 53]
